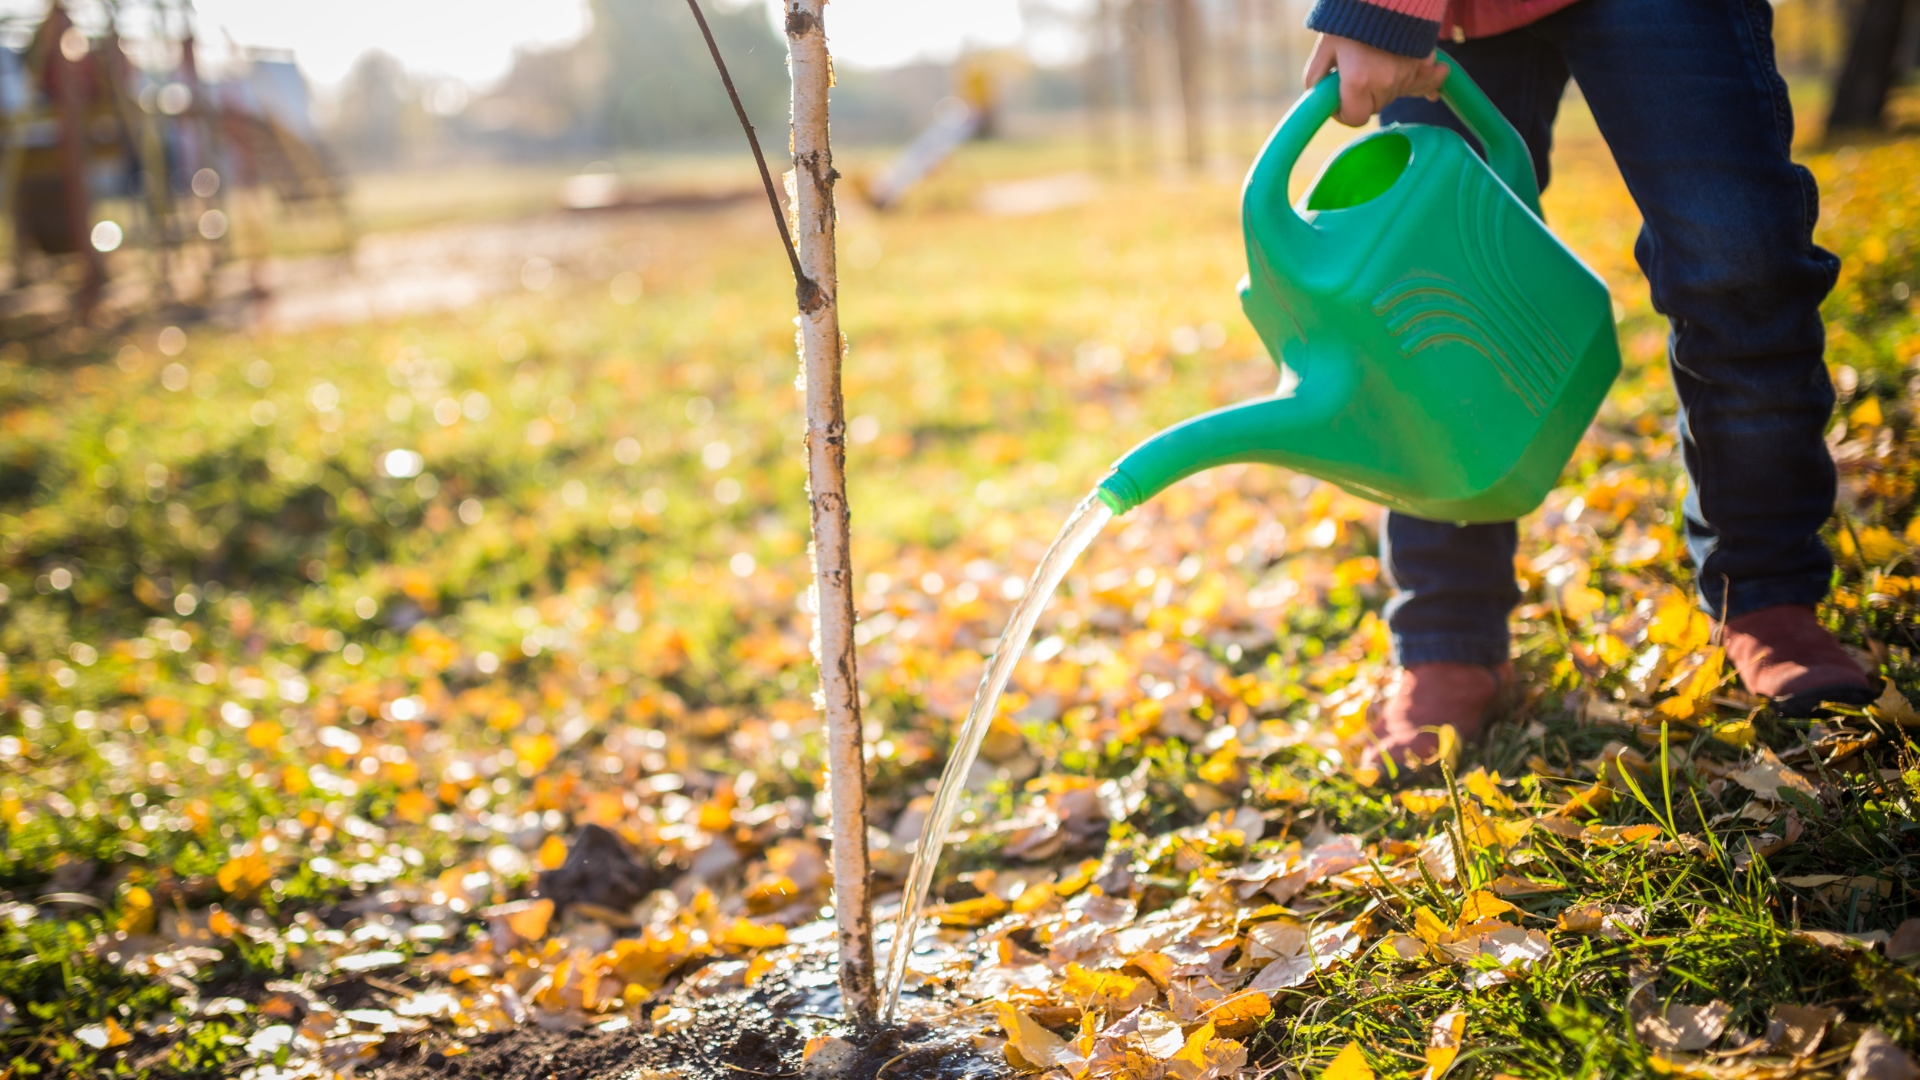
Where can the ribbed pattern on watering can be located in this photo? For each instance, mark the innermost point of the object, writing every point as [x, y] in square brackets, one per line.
[1425, 310]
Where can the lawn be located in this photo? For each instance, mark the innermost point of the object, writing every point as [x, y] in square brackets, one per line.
[320, 649]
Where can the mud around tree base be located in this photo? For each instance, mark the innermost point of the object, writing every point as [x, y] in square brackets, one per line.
[738, 1035]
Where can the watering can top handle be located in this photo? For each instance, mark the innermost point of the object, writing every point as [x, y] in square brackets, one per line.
[1507, 153]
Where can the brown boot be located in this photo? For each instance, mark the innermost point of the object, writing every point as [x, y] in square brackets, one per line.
[1405, 728]
[1784, 654]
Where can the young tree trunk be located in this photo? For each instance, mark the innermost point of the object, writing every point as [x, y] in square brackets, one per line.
[1871, 67]
[820, 352]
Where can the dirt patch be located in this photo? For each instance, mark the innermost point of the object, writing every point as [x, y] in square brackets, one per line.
[736, 1035]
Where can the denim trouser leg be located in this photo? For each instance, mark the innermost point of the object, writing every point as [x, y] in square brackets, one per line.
[1454, 584]
[1687, 96]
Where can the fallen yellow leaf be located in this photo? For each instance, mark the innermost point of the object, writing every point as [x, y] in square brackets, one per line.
[751, 935]
[1443, 1045]
[222, 924]
[1738, 733]
[1481, 905]
[137, 915]
[1348, 1064]
[1030, 1047]
[1110, 992]
[105, 1035]
[413, 806]
[969, 913]
[1485, 786]
[552, 854]
[1679, 623]
[1697, 697]
[537, 751]
[245, 873]
[1240, 1014]
[1428, 927]
[1158, 966]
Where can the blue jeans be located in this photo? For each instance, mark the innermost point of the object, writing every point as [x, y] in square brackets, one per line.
[1687, 96]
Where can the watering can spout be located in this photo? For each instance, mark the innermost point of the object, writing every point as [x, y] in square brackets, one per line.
[1285, 429]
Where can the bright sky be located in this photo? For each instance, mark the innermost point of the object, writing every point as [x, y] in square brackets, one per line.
[473, 40]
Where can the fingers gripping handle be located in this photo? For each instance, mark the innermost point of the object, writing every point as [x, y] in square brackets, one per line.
[1266, 188]
[1507, 152]
[1265, 192]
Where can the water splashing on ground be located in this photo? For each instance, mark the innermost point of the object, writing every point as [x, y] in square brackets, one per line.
[1081, 527]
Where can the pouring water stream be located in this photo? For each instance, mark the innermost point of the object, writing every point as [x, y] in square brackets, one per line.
[1085, 523]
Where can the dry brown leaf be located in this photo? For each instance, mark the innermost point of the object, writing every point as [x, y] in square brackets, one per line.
[1402, 947]
[1766, 776]
[1439, 857]
[1611, 921]
[1812, 881]
[1905, 940]
[1280, 937]
[1893, 707]
[1159, 1034]
[1834, 939]
[826, 1055]
[1563, 827]
[1510, 947]
[1796, 1030]
[1876, 1057]
[1325, 947]
[1507, 885]
[1683, 1027]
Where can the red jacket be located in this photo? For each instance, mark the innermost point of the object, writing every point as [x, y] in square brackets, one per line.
[1413, 27]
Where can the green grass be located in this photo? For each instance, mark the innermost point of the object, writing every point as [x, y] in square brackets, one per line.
[229, 635]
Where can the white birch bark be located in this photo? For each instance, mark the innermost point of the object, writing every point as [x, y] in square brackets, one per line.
[820, 354]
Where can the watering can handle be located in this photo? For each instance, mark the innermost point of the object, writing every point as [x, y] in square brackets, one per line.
[1507, 153]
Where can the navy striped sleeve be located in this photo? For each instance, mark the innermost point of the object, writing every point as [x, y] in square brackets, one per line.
[1376, 25]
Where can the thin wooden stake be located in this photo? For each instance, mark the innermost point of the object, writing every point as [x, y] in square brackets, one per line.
[820, 354]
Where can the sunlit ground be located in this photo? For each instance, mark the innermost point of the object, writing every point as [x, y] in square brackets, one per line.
[321, 643]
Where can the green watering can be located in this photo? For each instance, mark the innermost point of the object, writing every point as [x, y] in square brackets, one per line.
[1449, 350]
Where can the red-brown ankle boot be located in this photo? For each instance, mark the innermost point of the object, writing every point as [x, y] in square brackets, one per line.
[1784, 654]
[1405, 728]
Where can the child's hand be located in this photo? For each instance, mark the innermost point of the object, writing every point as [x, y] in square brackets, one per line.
[1370, 77]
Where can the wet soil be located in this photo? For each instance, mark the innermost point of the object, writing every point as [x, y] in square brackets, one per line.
[735, 1035]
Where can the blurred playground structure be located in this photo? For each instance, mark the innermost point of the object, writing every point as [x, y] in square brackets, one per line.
[135, 178]
[101, 153]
